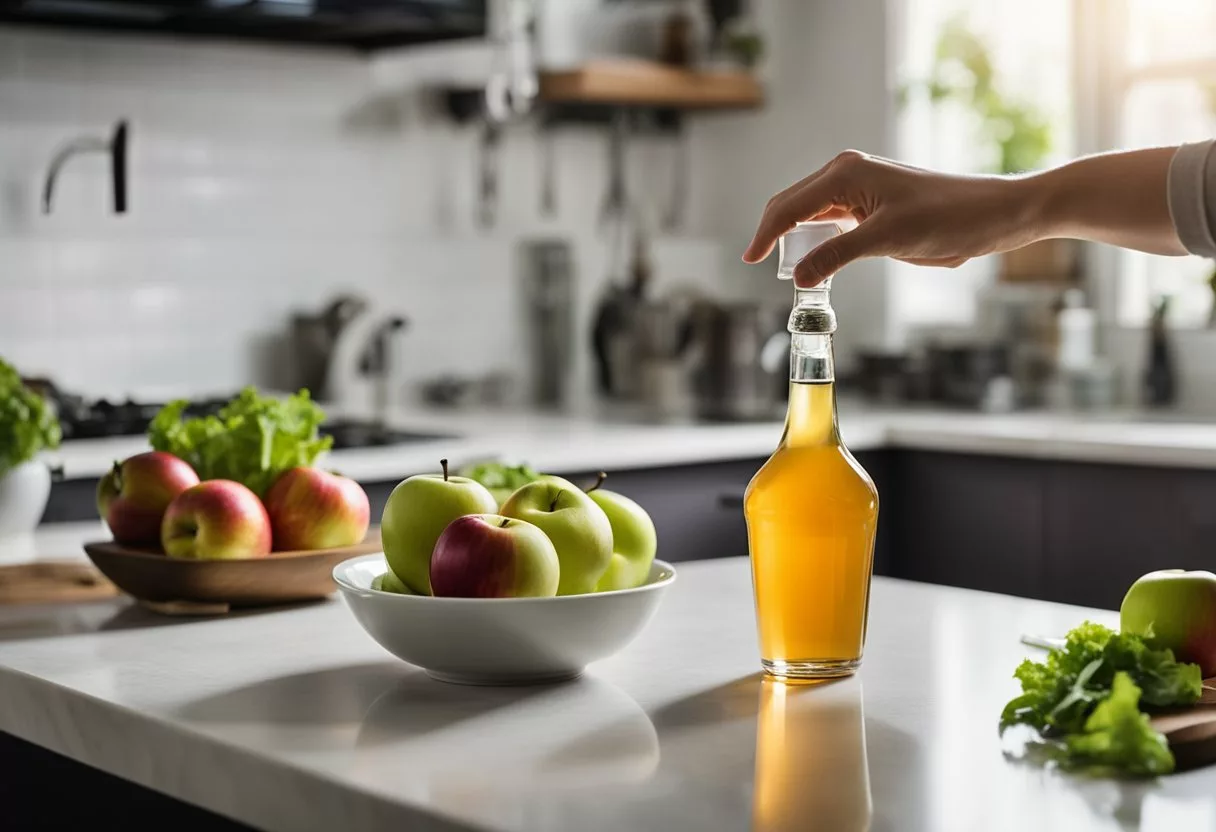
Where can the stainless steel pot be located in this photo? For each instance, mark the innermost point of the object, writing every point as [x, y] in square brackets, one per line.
[744, 361]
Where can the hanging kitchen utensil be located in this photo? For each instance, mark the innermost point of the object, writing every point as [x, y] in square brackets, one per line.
[489, 152]
[612, 332]
[616, 206]
[673, 216]
[548, 173]
[510, 91]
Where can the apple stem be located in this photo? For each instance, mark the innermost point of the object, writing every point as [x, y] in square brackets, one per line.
[444, 464]
[599, 480]
[556, 497]
[117, 472]
[506, 521]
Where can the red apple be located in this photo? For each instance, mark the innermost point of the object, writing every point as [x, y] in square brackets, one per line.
[314, 509]
[216, 520]
[132, 498]
[488, 556]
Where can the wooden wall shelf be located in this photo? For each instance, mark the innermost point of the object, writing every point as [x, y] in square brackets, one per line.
[622, 83]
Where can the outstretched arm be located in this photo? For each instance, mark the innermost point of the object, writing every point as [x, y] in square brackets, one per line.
[939, 219]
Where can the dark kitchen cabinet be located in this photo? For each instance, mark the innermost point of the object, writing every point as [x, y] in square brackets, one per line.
[1106, 525]
[969, 521]
[1078, 533]
[878, 465]
[36, 781]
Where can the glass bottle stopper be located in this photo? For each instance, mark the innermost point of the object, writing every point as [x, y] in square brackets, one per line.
[812, 312]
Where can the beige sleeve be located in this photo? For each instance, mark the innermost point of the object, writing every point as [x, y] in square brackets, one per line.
[1192, 197]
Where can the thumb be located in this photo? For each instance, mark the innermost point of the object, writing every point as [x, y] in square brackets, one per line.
[833, 255]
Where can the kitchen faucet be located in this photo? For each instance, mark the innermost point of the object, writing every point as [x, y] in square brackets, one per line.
[115, 146]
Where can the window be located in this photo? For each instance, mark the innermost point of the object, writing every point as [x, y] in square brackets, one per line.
[1162, 76]
[1028, 46]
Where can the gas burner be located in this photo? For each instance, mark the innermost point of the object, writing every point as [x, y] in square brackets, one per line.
[83, 418]
[93, 419]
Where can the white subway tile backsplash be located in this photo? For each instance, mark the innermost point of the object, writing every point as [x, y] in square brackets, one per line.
[265, 181]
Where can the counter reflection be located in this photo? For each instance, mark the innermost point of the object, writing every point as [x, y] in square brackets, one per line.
[811, 767]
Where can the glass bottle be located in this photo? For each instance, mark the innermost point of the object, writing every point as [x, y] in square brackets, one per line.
[811, 509]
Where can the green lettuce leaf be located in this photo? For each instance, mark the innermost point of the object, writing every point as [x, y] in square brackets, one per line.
[27, 423]
[1059, 694]
[1118, 738]
[252, 440]
[496, 475]
[1085, 701]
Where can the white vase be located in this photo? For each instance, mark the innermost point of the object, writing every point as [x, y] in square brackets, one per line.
[24, 491]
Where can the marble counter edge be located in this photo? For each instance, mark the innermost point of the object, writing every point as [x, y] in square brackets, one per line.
[167, 758]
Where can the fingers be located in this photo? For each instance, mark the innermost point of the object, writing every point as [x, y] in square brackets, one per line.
[818, 194]
[866, 240]
[774, 221]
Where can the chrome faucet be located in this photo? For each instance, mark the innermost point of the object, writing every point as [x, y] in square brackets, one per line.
[115, 145]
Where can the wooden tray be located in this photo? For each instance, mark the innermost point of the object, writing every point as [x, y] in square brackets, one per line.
[172, 585]
[53, 582]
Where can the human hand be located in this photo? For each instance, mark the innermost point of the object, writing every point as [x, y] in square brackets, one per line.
[908, 213]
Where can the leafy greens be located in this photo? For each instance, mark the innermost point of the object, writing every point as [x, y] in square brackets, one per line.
[252, 440]
[27, 423]
[501, 480]
[1085, 700]
[1117, 736]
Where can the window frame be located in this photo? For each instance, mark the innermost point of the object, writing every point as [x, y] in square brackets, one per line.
[1103, 78]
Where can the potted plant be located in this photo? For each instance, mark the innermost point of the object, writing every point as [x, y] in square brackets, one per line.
[27, 426]
[1018, 131]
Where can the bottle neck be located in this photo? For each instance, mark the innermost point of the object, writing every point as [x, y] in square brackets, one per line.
[811, 357]
[811, 415]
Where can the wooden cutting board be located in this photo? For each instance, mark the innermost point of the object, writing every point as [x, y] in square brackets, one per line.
[1192, 733]
[53, 582]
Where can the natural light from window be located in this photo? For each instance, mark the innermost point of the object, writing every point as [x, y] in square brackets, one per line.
[1168, 97]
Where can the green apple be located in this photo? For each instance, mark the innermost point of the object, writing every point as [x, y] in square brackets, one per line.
[578, 528]
[417, 512]
[389, 582]
[1180, 607]
[634, 540]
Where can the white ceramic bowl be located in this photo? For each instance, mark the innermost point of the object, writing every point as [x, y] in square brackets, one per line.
[499, 641]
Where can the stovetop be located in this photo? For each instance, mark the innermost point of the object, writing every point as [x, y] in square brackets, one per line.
[83, 418]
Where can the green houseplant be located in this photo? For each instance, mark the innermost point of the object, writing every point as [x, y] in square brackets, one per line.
[1017, 130]
[27, 425]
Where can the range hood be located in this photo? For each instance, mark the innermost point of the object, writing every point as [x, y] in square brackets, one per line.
[361, 24]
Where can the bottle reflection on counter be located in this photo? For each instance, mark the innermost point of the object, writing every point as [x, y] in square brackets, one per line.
[811, 766]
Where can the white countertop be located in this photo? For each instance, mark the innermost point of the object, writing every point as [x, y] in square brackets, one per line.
[296, 720]
[561, 443]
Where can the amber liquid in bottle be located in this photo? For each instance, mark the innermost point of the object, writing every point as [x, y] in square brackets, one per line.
[811, 516]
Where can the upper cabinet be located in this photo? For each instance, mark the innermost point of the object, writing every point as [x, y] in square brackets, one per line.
[360, 24]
